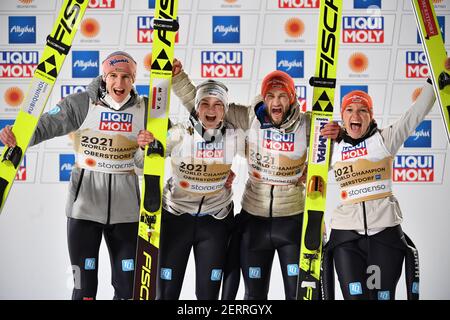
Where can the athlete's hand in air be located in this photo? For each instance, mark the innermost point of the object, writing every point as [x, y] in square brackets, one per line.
[331, 130]
[7, 137]
[144, 138]
[230, 179]
[177, 67]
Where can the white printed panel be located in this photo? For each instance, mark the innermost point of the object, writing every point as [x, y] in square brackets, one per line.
[42, 27]
[370, 6]
[364, 64]
[290, 29]
[97, 29]
[65, 87]
[367, 29]
[140, 29]
[421, 168]
[143, 58]
[422, 138]
[144, 5]
[377, 92]
[221, 5]
[57, 168]
[248, 30]
[408, 30]
[30, 6]
[26, 172]
[12, 94]
[404, 94]
[106, 5]
[439, 5]
[222, 63]
[269, 63]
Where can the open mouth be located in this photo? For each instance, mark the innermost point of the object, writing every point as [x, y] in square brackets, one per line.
[119, 91]
[277, 111]
[210, 118]
[354, 126]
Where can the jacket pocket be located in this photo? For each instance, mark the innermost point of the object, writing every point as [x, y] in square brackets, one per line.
[78, 184]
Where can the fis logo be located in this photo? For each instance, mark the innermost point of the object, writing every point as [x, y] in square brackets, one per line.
[221, 64]
[360, 150]
[102, 4]
[18, 64]
[209, 150]
[226, 29]
[298, 4]
[66, 163]
[416, 64]
[71, 89]
[348, 88]
[363, 29]
[291, 62]
[441, 22]
[278, 141]
[21, 174]
[114, 121]
[22, 29]
[85, 64]
[414, 168]
[421, 137]
[300, 91]
[366, 4]
[145, 29]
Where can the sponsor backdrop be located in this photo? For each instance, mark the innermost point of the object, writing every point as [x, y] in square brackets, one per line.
[237, 42]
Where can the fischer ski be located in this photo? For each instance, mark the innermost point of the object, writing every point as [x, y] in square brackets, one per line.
[433, 46]
[324, 83]
[55, 51]
[165, 27]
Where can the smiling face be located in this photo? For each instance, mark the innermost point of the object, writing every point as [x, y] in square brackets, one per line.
[277, 102]
[357, 118]
[119, 85]
[210, 112]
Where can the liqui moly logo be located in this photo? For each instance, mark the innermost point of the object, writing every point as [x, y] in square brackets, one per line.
[363, 29]
[300, 91]
[18, 64]
[221, 64]
[226, 29]
[102, 4]
[416, 64]
[21, 174]
[71, 89]
[145, 29]
[298, 4]
[413, 168]
[278, 141]
[114, 121]
[351, 152]
[22, 29]
[209, 150]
